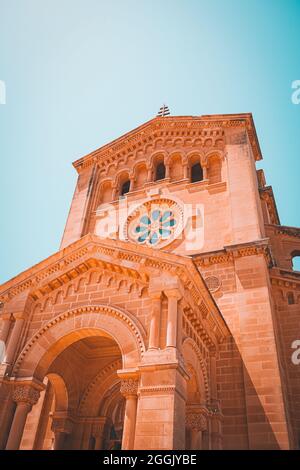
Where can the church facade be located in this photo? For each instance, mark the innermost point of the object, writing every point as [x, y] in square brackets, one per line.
[169, 316]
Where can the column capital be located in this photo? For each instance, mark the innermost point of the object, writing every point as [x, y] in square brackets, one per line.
[173, 293]
[19, 315]
[61, 424]
[129, 387]
[196, 421]
[98, 428]
[26, 394]
[155, 294]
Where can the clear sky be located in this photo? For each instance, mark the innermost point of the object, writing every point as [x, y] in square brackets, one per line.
[81, 73]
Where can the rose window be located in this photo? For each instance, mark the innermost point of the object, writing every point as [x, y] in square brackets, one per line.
[155, 227]
[155, 224]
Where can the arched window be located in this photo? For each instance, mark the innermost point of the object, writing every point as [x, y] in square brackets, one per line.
[296, 262]
[160, 172]
[125, 187]
[196, 173]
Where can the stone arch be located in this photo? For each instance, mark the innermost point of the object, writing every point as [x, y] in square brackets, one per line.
[103, 193]
[195, 156]
[193, 358]
[161, 156]
[295, 260]
[175, 164]
[140, 172]
[101, 382]
[192, 158]
[60, 391]
[122, 177]
[214, 166]
[70, 326]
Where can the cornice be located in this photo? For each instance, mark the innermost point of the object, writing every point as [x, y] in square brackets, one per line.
[177, 126]
[284, 230]
[285, 278]
[266, 193]
[230, 252]
[119, 257]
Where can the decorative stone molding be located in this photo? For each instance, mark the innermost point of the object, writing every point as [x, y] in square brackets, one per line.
[284, 282]
[152, 263]
[196, 421]
[108, 370]
[213, 283]
[202, 363]
[235, 251]
[154, 217]
[129, 387]
[62, 424]
[177, 131]
[267, 195]
[98, 427]
[285, 230]
[26, 394]
[131, 323]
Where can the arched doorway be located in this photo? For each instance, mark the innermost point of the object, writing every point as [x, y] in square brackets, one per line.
[77, 357]
[87, 418]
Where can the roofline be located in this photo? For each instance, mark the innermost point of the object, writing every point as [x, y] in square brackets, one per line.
[205, 117]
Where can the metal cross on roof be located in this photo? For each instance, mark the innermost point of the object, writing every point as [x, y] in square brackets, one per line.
[163, 111]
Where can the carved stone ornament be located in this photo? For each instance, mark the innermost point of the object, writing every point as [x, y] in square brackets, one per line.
[98, 429]
[62, 425]
[26, 394]
[129, 387]
[196, 421]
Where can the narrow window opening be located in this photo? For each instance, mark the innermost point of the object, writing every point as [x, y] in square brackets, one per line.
[160, 173]
[125, 187]
[196, 173]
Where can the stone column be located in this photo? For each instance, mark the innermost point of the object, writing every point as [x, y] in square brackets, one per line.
[167, 166]
[131, 179]
[173, 297]
[61, 427]
[216, 426]
[206, 439]
[114, 193]
[197, 423]
[98, 432]
[154, 330]
[205, 172]
[213, 375]
[185, 171]
[14, 338]
[129, 390]
[25, 396]
[179, 328]
[149, 174]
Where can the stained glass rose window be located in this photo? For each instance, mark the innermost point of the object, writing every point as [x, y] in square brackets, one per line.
[156, 226]
[155, 223]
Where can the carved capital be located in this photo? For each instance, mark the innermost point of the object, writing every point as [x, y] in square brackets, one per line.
[26, 394]
[63, 425]
[98, 429]
[129, 387]
[173, 293]
[196, 421]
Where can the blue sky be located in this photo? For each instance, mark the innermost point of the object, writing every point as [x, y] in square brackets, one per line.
[80, 73]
